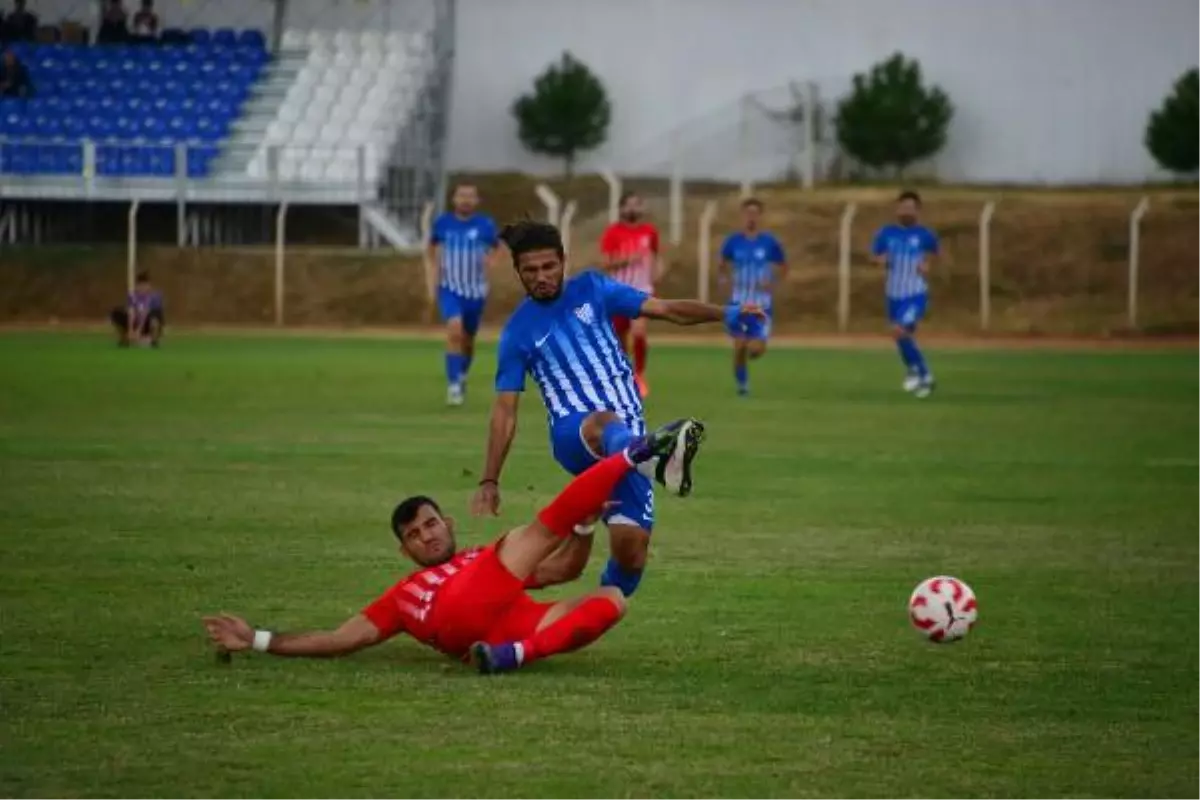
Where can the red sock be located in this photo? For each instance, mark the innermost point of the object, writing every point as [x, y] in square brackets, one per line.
[639, 354]
[584, 497]
[578, 628]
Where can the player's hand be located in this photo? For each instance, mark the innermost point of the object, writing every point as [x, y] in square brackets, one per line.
[486, 500]
[230, 632]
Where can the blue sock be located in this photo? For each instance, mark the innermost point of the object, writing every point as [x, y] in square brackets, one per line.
[918, 360]
[454, 368]
[904, 345]
[616, 575]
[742, 374]
[615, 437]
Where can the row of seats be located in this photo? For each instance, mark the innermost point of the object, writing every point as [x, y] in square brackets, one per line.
[366, 41]
[112, 161]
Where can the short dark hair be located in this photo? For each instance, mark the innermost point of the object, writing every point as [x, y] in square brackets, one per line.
[527, 235]
[143, 277]
[909, 194]
[752, 201]
[626, 196]
[406, 511]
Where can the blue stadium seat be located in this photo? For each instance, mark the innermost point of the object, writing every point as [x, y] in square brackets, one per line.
[225, 36]
[252, 38]
[200, 35]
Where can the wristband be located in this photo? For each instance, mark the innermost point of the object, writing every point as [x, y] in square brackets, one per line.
[262, 641]
[585, 530]
[492, 481]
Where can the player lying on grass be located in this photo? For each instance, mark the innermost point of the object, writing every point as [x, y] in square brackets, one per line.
[562, 337]
[473, 604]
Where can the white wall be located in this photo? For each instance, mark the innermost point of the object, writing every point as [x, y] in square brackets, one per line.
[1045, 90]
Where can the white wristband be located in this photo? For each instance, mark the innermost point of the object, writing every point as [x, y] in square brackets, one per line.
[585, 530]
[262, 641]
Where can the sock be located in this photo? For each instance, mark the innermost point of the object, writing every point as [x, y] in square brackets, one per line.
[578, 628]
[615, 437]
[904, 345]
[918, 360]
[454, 368]
[626, 580]
[742, 373]
[583, 497]
[639, 354]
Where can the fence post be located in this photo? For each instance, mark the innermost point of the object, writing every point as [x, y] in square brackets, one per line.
[550, 200]
[676, 197]
[1135, 256]
[280, 237]
[564, 227]
[614, 193]
[181, 172]
[843, 309]
[131, 263]
[704, 249]
[744, 146]
[426, 236]
[985, 265]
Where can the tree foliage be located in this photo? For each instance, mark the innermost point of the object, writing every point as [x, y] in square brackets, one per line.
[567, 112]
[1173, 131]
[891, 118]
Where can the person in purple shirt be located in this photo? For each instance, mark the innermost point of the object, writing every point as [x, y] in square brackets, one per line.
[141, 320]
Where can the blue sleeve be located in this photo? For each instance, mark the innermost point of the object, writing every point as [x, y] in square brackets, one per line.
[618, 299]
[510, 363]
[777, 254]
[727, 248]
[931, 242]
[879, 246]
[438, 234]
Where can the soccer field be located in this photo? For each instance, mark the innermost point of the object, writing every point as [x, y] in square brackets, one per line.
[768, 652]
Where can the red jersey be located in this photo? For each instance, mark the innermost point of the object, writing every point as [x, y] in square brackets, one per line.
[638, 243]
[470, 598]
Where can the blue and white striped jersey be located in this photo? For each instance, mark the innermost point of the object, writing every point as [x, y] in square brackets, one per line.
[754, 259]
[464, 244]
[905, 248]
[570, 350]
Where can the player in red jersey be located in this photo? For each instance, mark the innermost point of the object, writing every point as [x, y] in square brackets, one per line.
[630, 250]
[473, 604]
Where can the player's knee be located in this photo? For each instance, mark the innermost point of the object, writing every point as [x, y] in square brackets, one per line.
[631, 551]
[899, 332]
[592, 429]
[757, 349]
[455, 334]
[616, 597]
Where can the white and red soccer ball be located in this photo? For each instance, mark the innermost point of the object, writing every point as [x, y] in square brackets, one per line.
[943, 609]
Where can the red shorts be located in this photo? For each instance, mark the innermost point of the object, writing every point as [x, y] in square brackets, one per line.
[484, 603]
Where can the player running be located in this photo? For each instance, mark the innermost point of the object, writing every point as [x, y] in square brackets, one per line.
[461, 246]
[473, 603]
[907, 249]
[752, 260]
[561, 336]
[630, 250]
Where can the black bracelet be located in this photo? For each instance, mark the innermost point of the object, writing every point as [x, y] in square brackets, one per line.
[492, 481]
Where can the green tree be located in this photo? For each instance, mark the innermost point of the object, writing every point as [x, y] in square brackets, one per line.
[890, 118]
[1173, 131]
[566, 113]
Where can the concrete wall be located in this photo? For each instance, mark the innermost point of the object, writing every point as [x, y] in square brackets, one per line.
[1046, 90]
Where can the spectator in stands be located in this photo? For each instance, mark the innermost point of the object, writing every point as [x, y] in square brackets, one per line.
[20, 25]
[113, 25]
[141, 320]
[14, 78]
[145, 23]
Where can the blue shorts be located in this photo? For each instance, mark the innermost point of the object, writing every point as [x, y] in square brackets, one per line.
[452, 305]
[634, 494]
[907, 311]
[747, 327]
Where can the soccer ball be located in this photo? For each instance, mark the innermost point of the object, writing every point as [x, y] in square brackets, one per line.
[942, 609]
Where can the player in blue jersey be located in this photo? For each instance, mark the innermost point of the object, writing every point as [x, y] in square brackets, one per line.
[753, 265]
[907, 249]
[561, 336]
[461, 245]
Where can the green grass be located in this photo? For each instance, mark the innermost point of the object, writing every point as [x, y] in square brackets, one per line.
[767, 653]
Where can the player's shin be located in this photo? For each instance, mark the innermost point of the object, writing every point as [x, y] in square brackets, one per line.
[578, 628]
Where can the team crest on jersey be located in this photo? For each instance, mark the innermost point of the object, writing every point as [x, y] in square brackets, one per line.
[472, 233]
[585, 314]
[644, 242]
[914, 241]
[760, 253]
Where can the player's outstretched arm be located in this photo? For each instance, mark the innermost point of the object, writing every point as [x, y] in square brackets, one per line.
[234, 634]
[501, 430]
[694, 312]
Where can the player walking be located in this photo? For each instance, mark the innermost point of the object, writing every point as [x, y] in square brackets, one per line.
[752, 260]
[473, 603]
[561, 336]
[461, 245]
[907, 249]
[630, 250]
